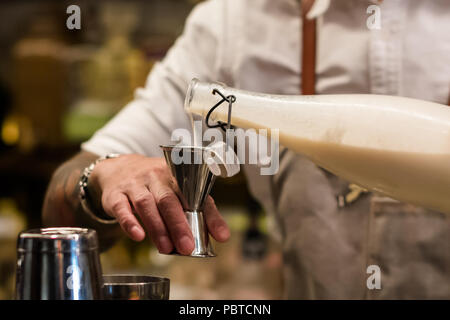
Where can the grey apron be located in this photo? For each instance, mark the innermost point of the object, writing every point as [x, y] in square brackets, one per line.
[327, 248]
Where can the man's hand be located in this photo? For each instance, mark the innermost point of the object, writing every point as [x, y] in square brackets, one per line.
[136, 185]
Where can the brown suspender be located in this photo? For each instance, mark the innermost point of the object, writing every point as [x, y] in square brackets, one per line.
[448, 102]
[308, 69]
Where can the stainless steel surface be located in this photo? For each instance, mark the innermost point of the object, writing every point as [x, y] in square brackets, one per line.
[58, 264]
[194, 179]
[135, 287]
[194, 182]
[203, 247]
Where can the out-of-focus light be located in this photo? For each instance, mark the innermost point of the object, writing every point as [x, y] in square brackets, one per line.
[10, 132]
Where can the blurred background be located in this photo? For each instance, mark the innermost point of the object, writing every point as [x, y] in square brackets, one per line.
[57, 87]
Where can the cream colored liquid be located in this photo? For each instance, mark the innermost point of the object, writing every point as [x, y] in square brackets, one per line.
[196, 138]
[394, 145]
[418, 178]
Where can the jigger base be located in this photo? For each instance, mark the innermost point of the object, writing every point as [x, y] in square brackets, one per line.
[198, 255]
[202, 242]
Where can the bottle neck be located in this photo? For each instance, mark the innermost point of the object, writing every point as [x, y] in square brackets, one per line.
[201, 97]
[344, 119]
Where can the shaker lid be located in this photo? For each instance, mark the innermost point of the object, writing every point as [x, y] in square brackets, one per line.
[60, 239]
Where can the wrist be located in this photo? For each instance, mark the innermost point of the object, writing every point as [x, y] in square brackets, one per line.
[93, 187]
[90, 193]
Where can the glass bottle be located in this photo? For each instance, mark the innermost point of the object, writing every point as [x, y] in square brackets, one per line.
[397, 146]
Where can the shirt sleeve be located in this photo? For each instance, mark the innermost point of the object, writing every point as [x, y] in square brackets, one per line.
[148, 121]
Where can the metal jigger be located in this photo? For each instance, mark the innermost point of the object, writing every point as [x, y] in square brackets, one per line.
[194, 181]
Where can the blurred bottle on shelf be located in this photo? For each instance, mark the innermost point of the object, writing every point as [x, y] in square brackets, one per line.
[111, 74]
[9, 130]
[12, 221]
[254, 241]
[39, 84]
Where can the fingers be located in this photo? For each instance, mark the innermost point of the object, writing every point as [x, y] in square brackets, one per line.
[117, 206]
[145, 206]
[172, 213]
[150, 194]
[216, 224]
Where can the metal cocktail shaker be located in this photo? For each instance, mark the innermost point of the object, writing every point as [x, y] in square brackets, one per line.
[58, 264]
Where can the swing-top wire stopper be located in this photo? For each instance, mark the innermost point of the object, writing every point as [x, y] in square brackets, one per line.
[224, 126]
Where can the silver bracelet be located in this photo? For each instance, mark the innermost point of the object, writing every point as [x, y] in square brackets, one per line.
[83, 195]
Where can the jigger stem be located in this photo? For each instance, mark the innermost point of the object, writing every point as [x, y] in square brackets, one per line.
[203, 247]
